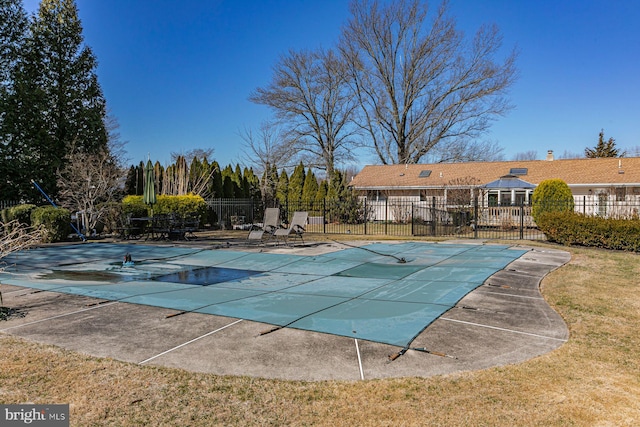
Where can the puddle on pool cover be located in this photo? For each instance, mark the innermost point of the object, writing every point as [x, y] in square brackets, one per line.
[95, 276]
[207, 276]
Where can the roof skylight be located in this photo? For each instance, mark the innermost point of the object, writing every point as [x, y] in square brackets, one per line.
[518, 171]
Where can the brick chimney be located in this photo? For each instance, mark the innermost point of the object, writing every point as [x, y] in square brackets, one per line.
[550, 155]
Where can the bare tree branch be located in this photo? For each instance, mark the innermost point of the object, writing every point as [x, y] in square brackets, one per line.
[308, 93]
[88, 181]
[420, 86]
[16, 237]
[268, 147]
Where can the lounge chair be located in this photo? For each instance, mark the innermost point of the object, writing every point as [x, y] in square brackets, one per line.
[270, 223]
[296, 228]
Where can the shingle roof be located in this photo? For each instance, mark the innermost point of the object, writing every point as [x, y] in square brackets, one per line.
[605, 171]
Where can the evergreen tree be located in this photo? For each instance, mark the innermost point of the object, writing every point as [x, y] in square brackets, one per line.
[228, 187]
[310, 187]
[216, 181]
[282, 189]
[195, 171]
[253, 184]
[603, 148]
[229, 183]
[334, 187]
[322, 192]
[13, 32]
[56, 104]
[130, 181]
[296, 183]
[239, 183]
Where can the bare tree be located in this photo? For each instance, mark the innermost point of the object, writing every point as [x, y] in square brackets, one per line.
[196, 153]
[88, 181]
[466, 150]
[633, 151]
[116, 146]
[15, 237]
[526, 155]
[421, 86]
[267, 147]
[566, 154]
[308, 93]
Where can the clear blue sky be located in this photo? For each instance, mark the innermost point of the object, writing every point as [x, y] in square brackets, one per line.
[177, 73]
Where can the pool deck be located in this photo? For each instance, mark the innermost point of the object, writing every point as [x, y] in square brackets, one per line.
[502, 322]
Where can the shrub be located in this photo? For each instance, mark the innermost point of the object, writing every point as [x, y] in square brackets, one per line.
[112, 218]
[180, 205]
[571, 228]
[56, 223]
[551, 195]
[22, 213]
[134, 206]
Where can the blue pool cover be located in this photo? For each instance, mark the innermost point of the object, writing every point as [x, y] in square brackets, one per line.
[364, 293]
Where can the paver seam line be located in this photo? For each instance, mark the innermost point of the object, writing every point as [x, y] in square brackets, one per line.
[14, 291]
[504, 329]
[58, 316]
[509, 295]
[189, 342]
[359, 359]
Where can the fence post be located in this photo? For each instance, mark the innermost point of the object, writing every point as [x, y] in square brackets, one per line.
[324, 215]
[475, 217]
[386, 216]
[433, 216]
[522, 220]
[413, 233]
[365, 216]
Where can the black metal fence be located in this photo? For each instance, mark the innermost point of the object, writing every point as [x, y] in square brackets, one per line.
[8, 203]
[432, 217]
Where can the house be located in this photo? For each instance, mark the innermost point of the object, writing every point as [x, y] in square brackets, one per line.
[602, 186]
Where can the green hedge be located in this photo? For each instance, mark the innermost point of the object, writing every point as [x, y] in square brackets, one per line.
[180, 205]
[22, 213]
[571, 228]
[56, 222]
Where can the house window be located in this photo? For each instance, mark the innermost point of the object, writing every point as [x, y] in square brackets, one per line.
[520, 199]
[492, 199]
[621, 193]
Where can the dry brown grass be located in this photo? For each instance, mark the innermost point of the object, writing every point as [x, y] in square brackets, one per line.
[592, 380]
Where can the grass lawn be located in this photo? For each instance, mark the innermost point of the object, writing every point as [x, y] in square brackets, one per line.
[594, 379]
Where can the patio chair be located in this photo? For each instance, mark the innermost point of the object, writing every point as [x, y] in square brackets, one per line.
[190, 226]
[270, 223]
[296, 228]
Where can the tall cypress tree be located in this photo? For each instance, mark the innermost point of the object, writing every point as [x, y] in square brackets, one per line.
[282, 189]
[216, 181]
[310, 187]
[296, 183]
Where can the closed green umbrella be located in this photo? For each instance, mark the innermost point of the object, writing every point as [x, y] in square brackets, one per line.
[149, 193]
